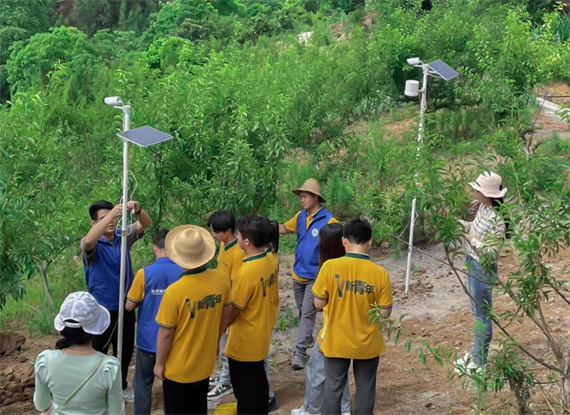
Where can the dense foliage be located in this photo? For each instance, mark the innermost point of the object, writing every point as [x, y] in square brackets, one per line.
[253, 111]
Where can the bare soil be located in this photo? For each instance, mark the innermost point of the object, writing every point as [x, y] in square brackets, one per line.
[436, 309]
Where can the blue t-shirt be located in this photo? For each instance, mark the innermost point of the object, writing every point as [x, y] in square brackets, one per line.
[148, 290]
[102, 267]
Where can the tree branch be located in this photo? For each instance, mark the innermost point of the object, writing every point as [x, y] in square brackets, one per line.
[509, 336]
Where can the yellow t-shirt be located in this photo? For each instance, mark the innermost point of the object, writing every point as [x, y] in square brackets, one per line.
[193, 306]
[230, 258]
[136, 292]
[255, 292]
[351, 284]
[291, 226]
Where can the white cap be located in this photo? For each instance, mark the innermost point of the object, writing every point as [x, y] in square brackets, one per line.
[80, 309]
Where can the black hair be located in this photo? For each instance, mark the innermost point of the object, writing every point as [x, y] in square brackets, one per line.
[159, 238]
[358, 231]
[222, 220]
[497, 204]
[274, 235]
[72, 336]
[260, 231]
[330, 242]
[97, 206]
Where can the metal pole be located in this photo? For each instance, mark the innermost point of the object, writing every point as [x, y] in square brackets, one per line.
[423, 104]
[124, 224]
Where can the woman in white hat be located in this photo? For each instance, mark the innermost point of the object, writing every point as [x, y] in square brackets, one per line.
[75, 379]
[483, 239]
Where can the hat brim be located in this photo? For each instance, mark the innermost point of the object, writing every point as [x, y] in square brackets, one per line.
[96, 328]
[489, 193]
[172, 240]
[297, 192]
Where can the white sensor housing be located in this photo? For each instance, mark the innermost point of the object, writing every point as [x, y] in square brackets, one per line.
[412, 88]
[413, 61]
[114, 101]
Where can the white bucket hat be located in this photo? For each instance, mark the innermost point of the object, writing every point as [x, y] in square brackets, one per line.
[80, 309]
[490, 184]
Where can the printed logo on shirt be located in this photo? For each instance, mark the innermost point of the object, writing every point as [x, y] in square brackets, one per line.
[210, 301]
[157, 291]
[315, 233]
[355, 287]
[267, 283]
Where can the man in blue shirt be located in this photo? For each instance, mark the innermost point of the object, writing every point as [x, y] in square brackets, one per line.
[101, 251]
[306, 224]
[146, 294]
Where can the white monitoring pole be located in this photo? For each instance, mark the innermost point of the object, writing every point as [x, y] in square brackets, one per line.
[144, 136]
[117, 102]
[423, 102]
[124, 235]
[441, 70]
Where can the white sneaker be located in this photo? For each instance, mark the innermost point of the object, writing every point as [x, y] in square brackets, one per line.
[346, 413]
[301, 411]
[128, 395]
[466, 366]
[219, 391]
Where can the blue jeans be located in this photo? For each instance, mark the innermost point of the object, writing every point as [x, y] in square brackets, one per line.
[315, 385]
[144, 377]
[480, 284]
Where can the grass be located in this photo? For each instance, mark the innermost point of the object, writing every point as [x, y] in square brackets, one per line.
[289, 317]
[33, 313]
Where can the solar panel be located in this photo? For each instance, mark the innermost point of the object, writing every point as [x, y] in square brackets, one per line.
[443, 70]
[144, 136]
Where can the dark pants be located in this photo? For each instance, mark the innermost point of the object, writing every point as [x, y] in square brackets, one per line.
[250, 386]
[144, 377]
[305, 301]
[101, 343]
[185, 398]
[336, 377]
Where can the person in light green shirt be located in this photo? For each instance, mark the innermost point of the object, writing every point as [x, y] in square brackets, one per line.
[75, 379]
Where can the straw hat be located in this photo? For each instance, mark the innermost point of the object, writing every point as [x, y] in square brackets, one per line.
[190, 246]
[311, 186]
[490, 184]
[81, 310]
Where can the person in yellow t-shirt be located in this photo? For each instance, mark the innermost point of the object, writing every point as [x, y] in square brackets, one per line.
[306, 224]
[252, 313]
[189, 317]
[222, 225]
[347, 287]
[330, 247]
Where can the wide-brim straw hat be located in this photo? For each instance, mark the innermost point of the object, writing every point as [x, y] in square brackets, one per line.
[311, 186]
[190, 246]
[490, 184]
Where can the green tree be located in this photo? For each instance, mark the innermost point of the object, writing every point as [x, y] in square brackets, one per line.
[32, 62]
[19, 20]
[178, 17]
[92, 15]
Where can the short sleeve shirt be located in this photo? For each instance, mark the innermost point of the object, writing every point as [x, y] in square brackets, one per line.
[102, 267]
[291, 226]
[230, 258]
[193, 307]
[351, 285]
[255, 292]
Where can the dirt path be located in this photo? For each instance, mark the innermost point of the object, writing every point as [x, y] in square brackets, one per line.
[437, 310]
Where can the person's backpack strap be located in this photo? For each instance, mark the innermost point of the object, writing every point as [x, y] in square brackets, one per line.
[79, 387]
